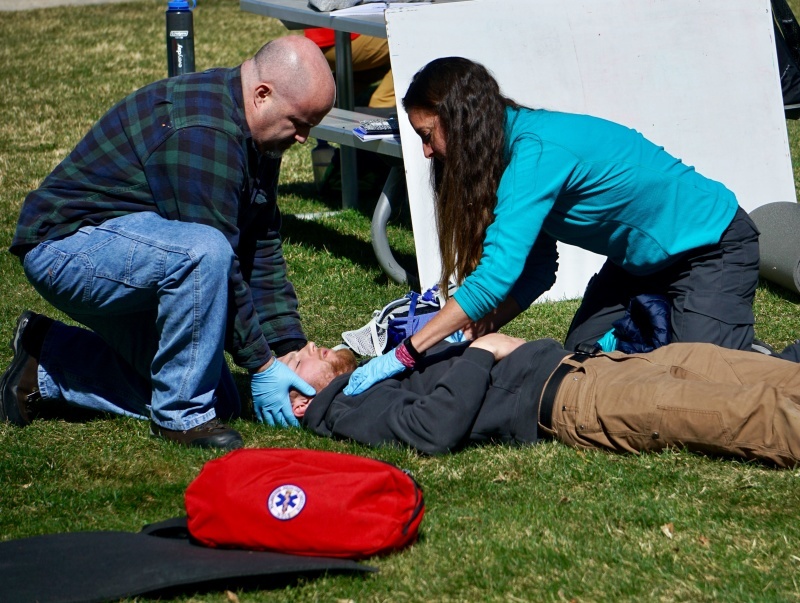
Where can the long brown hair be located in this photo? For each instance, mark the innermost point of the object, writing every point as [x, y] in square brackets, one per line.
[467, 101]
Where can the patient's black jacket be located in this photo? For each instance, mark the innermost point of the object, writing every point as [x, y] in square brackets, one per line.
[457, 395]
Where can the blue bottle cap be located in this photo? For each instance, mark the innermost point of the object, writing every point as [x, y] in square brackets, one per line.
[181, 5]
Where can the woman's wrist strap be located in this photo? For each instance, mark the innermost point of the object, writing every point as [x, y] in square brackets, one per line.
[412, 350]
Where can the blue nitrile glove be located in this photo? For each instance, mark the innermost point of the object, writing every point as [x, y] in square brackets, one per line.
[608, 342]
[270, 390]
[374, 371]
[456, 337]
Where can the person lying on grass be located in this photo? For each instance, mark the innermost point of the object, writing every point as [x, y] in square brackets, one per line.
[697, 396]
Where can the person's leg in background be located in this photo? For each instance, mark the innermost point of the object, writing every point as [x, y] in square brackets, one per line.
[370, 57]
[703, 397]
[383, 96]
[159, 305]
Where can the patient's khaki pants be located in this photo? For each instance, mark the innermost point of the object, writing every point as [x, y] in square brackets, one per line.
[698, 396]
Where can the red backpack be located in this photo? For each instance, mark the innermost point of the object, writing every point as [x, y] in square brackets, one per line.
[304, 502]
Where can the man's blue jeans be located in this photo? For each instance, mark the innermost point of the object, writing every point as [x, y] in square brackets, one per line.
[154, 292]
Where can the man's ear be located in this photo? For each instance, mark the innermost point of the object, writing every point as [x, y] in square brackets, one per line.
[300, 404]
[263, 91]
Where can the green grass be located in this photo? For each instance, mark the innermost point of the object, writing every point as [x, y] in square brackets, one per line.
[543, 523]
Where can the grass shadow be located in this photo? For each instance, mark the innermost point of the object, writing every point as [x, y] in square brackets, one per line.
[779, 291]
[318, 236]
[332, 200]
[250, 584]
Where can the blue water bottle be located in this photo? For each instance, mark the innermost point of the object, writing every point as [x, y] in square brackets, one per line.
[180, 37]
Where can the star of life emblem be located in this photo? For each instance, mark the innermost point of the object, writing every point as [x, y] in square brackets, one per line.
[286, 502]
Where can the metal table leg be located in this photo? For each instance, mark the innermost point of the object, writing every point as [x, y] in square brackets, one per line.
[345, 99]
[391, 197]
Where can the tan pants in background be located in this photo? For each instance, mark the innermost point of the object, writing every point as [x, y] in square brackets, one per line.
[699, 396]
[370, 59]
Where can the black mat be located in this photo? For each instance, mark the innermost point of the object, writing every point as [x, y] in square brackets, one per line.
[102, 566]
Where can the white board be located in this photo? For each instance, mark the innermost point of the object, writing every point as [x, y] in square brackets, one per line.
[699, 77]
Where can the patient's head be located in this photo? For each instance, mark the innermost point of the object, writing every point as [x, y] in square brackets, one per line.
[317, 367]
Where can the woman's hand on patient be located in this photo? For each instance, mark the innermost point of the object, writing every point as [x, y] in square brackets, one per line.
[493, 320]
[498, 344]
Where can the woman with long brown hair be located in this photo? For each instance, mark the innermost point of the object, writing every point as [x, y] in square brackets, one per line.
[510, 181]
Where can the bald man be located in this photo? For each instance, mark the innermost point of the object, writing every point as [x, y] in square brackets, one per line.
[160, 233]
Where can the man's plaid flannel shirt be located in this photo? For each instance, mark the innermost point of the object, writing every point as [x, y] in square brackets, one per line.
[181, 147]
